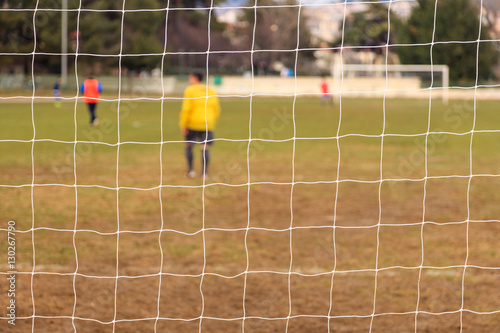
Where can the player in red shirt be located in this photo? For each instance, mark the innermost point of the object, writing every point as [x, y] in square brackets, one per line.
[326, 97]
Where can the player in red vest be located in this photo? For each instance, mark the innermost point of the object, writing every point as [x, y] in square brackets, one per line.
[91, 90]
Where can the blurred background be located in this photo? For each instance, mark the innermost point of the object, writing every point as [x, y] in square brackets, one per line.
[155, 38]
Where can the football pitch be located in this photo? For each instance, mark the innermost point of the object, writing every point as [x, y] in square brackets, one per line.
[366, 214]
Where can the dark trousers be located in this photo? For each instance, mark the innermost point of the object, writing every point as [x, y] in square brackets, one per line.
[92, 111]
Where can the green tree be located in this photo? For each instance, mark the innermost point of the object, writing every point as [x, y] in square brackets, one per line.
[16, 32]
[455, 34]
[276, 28]
[98, 32]
[370, 28]
[143, 33]
[188, 33]
[101, 33]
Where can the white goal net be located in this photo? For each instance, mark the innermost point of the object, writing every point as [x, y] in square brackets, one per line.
[340, 195]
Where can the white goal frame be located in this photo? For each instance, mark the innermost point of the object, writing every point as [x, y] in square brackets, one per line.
[339, 72]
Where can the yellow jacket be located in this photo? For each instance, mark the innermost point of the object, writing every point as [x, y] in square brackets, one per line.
[199, 113]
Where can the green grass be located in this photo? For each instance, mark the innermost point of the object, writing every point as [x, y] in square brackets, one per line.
[97, 154]
[139, 130]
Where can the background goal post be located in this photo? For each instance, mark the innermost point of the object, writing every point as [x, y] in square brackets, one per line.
[352, 71]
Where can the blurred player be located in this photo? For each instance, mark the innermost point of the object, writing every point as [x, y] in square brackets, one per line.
[198, 118]
[57, 92]
[326, 97]
[91, 90]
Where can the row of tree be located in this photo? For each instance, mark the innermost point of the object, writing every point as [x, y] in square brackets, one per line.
[445, 32]
[448, 31]
[99, 32]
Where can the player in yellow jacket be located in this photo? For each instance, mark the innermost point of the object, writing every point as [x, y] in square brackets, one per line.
[199, 115]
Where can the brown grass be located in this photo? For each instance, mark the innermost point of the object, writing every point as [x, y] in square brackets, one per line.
[350, 256]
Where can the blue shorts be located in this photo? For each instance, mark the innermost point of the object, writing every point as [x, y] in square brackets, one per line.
[200, 136]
